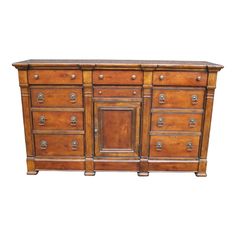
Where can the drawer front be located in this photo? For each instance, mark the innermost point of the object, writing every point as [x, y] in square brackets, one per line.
[117, 92]
[174, 146]
[60, 97]
[57, 120]
[180, 78]
[176, 122]
[117, 77]
[171, 98]
[59, 145]
[55, 76]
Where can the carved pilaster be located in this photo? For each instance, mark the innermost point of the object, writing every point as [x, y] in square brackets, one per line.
[88, 117]
[145, 126]
[29, 139]
[211, 85]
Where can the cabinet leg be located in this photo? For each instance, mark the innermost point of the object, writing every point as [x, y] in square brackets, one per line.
[89, 173]
[35, 172]
[201, 174]
[143, 174]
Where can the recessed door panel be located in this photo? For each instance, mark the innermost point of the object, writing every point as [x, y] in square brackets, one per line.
[117, 128]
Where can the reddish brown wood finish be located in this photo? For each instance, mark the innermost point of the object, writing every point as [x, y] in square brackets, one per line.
[183, 78]
[174, 146]
[117, 128]
[177, 98]
[55, 77]
[117, 77]
[176, 122]
[134, 92]
[57, 120]
[59, 145]
[56, 97]
[116, 108]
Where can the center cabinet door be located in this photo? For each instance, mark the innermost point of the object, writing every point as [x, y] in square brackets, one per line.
[117, 126]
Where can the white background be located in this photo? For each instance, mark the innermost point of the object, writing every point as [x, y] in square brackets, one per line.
[68, 203]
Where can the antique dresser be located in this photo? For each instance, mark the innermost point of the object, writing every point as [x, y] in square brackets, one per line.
[117, 115]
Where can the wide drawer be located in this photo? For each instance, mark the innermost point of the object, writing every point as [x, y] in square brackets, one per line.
[117, 92]
[180, 78]
[117, 77]
[56, 97]
[178, 98]
[57, 120]
[176, 122]
[59, 145]
[162, 146]
[55, 76]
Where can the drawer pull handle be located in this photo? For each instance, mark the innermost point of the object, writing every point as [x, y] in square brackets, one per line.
[160, 122]
[101, 76]
[74, 145]
[133, 77]
[134, 92]
[36, 76]
[43, 144]
[192, 123]
[198, 78]
[73, 97]
[42, 120]
[162, 99]
[40, 98]
[73, 76]
[100, 92]
[158, 146]
[194, 99]
[161, 77]
[73, 120]
[189, 147]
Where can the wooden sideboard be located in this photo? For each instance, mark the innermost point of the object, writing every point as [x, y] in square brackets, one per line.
[117, 115]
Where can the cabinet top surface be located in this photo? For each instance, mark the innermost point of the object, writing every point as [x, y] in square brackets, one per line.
[118, 63]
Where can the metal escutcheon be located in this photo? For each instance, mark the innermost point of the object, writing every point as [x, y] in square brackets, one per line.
[162, 99]
[73, 120]
[43, 144]
[74, 144]
[158, 146]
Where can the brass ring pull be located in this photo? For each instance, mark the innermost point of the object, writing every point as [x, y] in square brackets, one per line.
[160, 122]
[73, 97]
[40, 98]
[194, 99]
[42, 120]
[189, 146]
[73, 120]
[74, 145]
[43, 144]
[158, 146]
[162, 99]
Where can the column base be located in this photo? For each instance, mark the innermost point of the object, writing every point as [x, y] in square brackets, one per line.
[32, 172]
[201, 174]
[89, 173]
[143, 174]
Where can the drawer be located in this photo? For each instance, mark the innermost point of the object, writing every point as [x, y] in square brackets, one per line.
[55, 76]
[174, 146]
[56, 97]
[176, 122]
[180, 78]
[178, 98]
[117, 77]
[57, 120]
[59, 145]
[117, 92]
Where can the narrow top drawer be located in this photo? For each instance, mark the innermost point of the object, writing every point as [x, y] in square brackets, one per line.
[180, 78]
[117, 77]
[55, 76]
